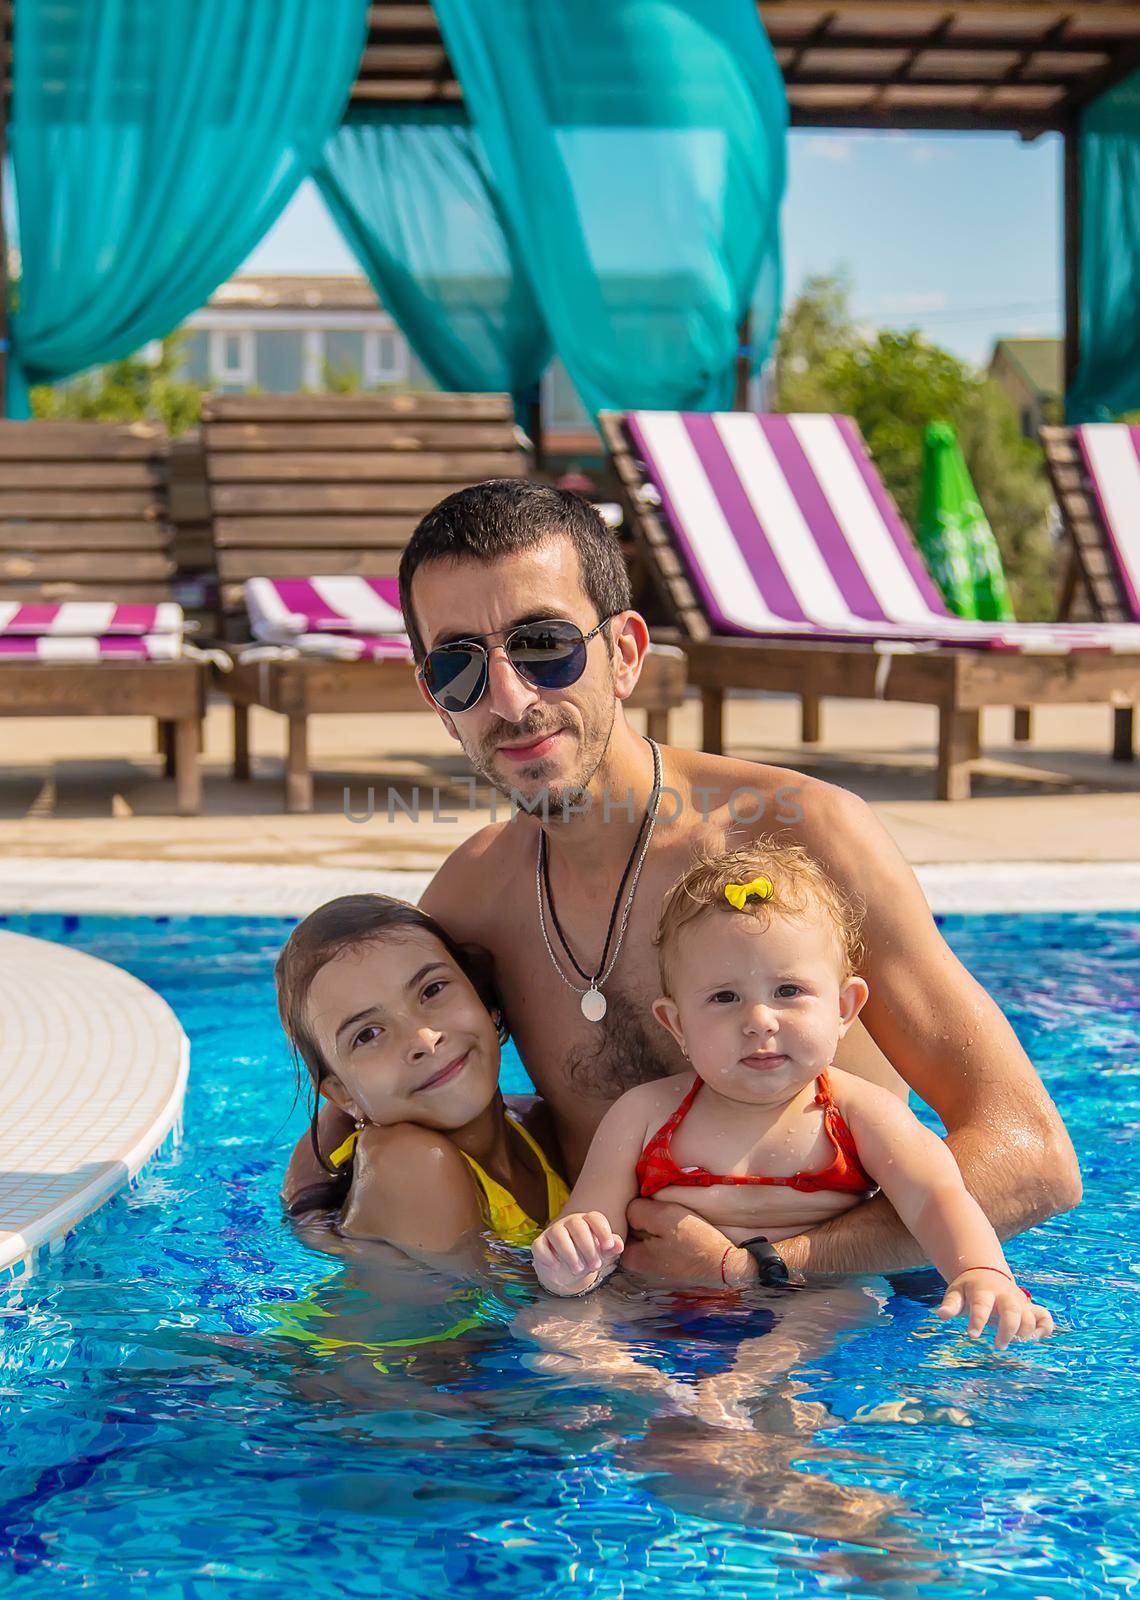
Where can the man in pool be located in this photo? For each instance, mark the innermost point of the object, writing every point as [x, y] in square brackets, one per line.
[517, 602]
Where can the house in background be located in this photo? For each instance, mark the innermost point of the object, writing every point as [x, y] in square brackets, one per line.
[284, 334]
[288, 333]
[1030, 372]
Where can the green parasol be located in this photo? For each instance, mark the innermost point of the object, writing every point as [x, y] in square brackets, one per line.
[954, 535]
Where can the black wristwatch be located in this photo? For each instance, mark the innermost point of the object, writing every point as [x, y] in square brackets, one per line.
[772, 1267]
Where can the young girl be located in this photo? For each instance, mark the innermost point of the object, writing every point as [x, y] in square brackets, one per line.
[398, 1026]
[759, 954]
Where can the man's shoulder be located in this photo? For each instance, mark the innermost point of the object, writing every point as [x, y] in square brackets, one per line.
[485, 861]
[752, 798]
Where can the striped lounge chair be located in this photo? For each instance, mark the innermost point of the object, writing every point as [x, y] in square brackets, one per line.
[88, 625]
[311, 500]
[1096, 478]
[786, 567]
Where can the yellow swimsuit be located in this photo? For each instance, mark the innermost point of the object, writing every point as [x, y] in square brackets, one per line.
[508, 1221]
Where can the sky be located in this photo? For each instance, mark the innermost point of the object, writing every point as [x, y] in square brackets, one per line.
[955, 234]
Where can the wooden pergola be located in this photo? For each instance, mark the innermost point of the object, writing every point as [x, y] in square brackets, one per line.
[1025, 66]
[1021, 66]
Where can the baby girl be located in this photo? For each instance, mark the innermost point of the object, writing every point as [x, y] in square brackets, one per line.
[759, 957]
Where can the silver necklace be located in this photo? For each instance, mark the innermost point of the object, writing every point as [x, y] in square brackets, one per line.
[593, 1001]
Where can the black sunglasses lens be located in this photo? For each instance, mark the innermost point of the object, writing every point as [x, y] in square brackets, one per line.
[551, 655]
[455, 676]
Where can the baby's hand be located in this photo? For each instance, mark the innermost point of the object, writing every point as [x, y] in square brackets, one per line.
[984, 1292]
[571, 1256]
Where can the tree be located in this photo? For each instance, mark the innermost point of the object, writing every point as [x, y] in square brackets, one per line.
[132, 390]
[894, 384]
[816, 331]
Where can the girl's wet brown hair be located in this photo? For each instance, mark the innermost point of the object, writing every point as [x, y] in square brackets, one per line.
[346, 924]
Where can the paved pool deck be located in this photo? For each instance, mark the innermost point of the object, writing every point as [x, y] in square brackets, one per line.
[91, 789]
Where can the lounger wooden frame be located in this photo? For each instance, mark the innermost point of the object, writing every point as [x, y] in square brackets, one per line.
[959, 683]
[1092, 587]
[306, 485]
[83, 516]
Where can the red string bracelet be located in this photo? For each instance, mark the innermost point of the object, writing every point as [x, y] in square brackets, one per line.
[998, 1270]
[723, 1262]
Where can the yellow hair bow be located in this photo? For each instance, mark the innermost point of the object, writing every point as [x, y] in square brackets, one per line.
[739, 894]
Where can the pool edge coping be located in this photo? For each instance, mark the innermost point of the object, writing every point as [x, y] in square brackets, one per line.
[24, 1249]
[83, 885]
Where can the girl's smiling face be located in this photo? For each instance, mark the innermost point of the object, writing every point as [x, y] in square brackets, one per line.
[404, 1034]
[759, 1008]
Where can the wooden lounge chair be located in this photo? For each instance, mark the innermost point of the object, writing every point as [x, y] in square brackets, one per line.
[83, 519]
[787, 568]
[333, 485]
[1095, 472]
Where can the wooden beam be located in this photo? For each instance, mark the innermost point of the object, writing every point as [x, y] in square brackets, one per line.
[743, 362]
[926, 121]
[1066, 50]
[1097, 50]
[787, 20]
[1125, 61]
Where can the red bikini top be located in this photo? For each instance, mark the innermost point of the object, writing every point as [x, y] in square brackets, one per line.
[657, 1170]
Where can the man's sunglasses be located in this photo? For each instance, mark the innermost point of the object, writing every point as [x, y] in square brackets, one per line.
[549, 655]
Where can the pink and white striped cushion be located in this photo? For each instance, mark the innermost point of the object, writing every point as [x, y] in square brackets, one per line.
[281, 608]
[88, 618]
[72, 647]
[331, 647]
[1112, 455]
[787, 530]
[354, 646]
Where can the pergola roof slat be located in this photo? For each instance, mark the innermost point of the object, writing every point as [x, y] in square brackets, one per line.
[851, 58]
[954, 57]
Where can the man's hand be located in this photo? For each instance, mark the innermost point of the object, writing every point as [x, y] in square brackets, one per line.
[575, 1253]
[673, 1245]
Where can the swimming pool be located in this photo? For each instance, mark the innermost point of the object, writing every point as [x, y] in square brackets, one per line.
[198, 1401]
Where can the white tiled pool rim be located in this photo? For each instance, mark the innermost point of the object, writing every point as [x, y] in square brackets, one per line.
[93, 1072]
[204, 888]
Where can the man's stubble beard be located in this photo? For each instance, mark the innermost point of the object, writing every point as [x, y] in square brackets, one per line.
[597, 730]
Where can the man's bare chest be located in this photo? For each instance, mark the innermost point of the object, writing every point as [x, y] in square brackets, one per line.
[569, 1056]
[579, 1066]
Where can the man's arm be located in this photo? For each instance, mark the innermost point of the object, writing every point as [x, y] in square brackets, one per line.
[951, 1043]
[307, 1185]
[948, 1039]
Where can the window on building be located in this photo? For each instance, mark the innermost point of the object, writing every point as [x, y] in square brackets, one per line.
[279, 360]
[344, 358]
[232, 363]
[194, 356]
[385, 357]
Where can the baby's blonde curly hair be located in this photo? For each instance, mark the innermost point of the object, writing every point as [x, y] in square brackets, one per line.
[800, 889]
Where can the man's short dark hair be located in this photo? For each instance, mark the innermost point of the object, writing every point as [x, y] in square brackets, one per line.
[495, 519]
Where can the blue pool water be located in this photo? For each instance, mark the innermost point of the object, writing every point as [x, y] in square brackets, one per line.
[200, 1403]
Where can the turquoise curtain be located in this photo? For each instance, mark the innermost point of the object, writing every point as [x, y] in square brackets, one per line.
[1108, 374]
[637, 148]
[153, 143]
[411, 193]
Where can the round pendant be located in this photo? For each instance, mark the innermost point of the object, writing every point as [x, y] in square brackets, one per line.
[593, 1005]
